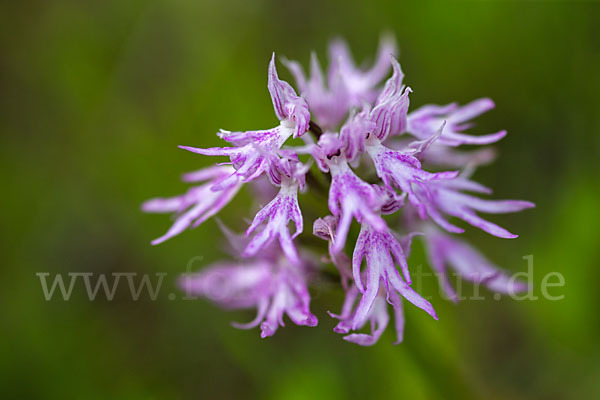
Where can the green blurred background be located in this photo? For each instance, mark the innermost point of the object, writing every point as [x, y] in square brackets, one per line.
[95, 97]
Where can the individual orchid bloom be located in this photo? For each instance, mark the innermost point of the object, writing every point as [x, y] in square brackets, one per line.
[277, 215]
[328, 104]
[382, 252]
[388, 116]
[325, 228]
[400, 169]
[351, 197]
[253, 150]
[445, 197]
[444, 250]
[361, 85]
[198, 204]
[425, 121]
[378, 318]
[274, 287]
[383, 281]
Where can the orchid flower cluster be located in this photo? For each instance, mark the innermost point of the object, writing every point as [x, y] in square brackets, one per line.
[397, 174]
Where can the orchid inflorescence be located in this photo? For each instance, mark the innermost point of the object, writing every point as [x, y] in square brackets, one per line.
[374, 164]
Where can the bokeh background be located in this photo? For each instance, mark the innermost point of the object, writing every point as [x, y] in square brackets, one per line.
[96, 95]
